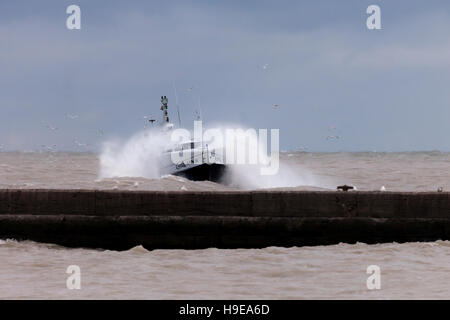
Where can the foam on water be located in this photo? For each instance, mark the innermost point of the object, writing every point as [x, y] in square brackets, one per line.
[249, 177]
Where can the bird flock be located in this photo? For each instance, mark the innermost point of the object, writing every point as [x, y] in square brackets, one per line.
[149, 120]
[332, 134]
[54, 129]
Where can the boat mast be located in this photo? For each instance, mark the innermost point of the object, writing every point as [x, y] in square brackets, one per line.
[176, 102]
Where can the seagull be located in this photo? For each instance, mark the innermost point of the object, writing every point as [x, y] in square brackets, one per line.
[276, 106]
[79, 144]
[383, 188]
[440, 189]
[48, 126]
[72, 116]
[332, 137]
[49, 148]
[190, 89]
[264, 66]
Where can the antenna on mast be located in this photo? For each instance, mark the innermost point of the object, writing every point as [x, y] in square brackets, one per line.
[200, 108]
[176, 103]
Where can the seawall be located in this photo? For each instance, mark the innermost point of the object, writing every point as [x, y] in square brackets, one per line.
[190, 220]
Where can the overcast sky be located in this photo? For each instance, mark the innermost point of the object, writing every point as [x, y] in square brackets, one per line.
[383, 90]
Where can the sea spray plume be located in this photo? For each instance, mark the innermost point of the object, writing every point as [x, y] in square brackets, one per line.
[248, 176]
[139, 157]
[136, 157]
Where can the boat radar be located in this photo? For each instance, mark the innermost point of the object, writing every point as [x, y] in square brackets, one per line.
[166, 123]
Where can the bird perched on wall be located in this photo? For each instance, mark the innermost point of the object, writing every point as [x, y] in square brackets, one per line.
[345, 187]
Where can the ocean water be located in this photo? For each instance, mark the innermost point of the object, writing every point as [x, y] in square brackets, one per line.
[30, 270]
[409, 171]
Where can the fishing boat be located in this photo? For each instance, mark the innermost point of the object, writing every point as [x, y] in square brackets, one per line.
[195, 159]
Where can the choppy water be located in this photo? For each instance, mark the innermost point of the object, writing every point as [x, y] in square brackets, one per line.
[408, 271]
[411, 171]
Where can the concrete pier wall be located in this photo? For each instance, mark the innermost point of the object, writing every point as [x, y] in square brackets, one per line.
[190, 220]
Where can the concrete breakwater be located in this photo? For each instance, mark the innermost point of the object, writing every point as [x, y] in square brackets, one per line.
[242, 219]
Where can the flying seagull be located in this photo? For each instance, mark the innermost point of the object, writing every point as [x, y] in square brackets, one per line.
[79, 144]
[72, 116]
[50, 127]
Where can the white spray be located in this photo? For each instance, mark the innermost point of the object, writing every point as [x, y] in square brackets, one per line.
[137, 157]
[250, 176]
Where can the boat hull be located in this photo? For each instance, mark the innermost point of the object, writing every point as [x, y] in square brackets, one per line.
[207, 171]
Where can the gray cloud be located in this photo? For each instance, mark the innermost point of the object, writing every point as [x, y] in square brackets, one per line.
[383, 90]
